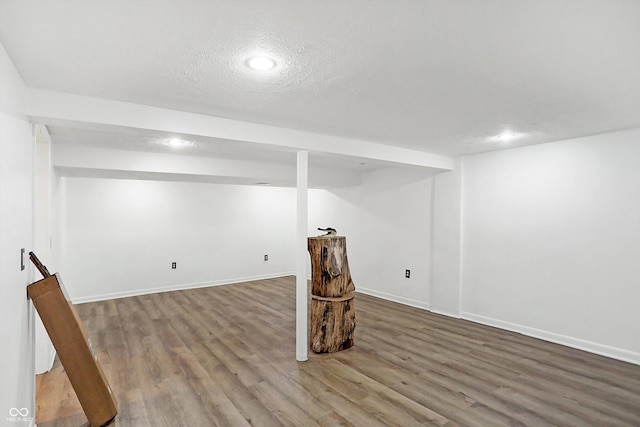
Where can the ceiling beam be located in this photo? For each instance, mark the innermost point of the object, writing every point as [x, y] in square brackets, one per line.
[49, 107]
[96, 162]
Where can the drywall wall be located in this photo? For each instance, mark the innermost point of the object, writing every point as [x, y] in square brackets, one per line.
[446, 243]
[119, 237]
[551, 241]
[43, 174]
[17, 379]
[387, 221]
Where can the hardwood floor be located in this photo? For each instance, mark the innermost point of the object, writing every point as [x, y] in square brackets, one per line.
[225, 356]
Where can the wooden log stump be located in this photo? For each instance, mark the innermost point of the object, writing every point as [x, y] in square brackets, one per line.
[333, 316]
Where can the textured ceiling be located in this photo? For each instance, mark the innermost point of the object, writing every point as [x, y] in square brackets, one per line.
[437, 76]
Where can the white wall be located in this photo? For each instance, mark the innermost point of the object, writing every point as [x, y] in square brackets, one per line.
[44, 351]
[446, 244]
[17, 381]
[121, 236]
[387, 223]
[551, 241]
[541, 239]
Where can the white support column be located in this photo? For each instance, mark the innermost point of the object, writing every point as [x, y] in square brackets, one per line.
[302, 340]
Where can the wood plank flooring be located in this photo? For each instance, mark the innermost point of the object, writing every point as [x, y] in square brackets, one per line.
[225, 356]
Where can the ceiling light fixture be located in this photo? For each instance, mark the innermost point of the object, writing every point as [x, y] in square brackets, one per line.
[173, 143]
[505, 137]
[261, 63]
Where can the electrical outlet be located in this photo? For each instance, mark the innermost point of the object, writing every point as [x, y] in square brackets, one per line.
[266, 257]
[407, 273]
[174, 265]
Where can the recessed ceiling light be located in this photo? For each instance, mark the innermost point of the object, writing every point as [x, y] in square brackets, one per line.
[177, 143]
[173, 143]
[505, 136]
[261, 63]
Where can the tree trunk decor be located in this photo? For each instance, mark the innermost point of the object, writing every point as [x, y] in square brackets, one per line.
[333, 316]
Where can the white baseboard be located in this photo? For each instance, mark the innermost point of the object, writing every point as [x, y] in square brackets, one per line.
[49, 360]
[389, 297]
[445, 313]
[580, 344]
[589, 346]
[52, 358]
[146, 291]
